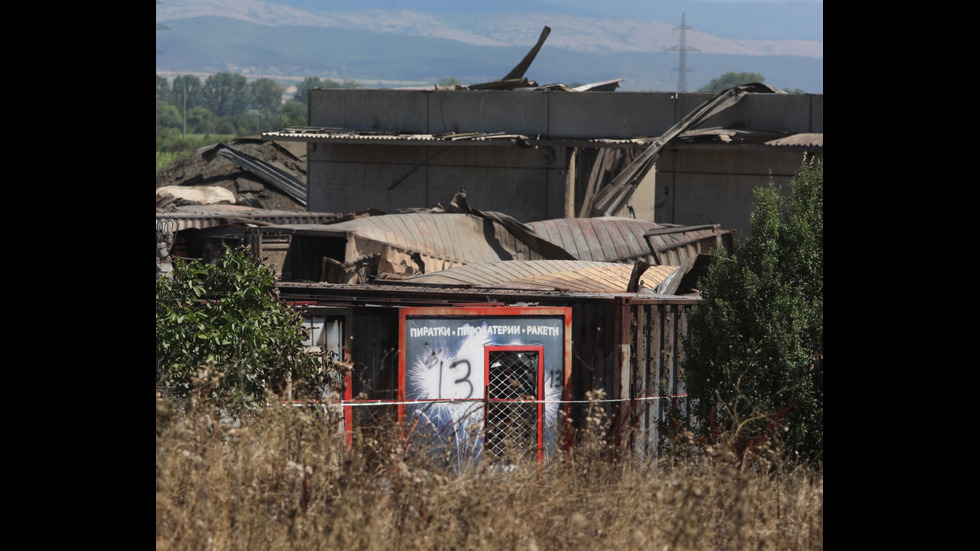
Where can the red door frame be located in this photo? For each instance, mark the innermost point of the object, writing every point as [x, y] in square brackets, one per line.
[540, 386]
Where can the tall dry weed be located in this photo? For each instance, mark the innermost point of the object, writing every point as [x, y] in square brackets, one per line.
[285, 479]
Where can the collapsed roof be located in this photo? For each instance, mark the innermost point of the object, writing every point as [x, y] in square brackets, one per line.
[374, 247]
[628, 240]
[571, 276]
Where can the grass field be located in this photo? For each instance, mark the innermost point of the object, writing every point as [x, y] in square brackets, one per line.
[284, 480]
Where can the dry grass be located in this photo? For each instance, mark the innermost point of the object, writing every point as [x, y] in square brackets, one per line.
[284, 481]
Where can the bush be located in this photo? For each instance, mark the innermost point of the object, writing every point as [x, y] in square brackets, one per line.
[754, 349]
[224, 336]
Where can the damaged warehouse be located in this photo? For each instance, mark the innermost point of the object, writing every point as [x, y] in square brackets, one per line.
[622, 311]
[574, 281]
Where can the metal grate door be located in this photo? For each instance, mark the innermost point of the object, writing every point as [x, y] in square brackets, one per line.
[512, 420]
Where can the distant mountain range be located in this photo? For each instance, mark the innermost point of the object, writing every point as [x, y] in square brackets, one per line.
[397, 43]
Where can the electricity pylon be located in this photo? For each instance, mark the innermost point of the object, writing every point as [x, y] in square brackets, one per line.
[683, 48]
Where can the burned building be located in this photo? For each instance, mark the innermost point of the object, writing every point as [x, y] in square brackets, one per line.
[669, 158]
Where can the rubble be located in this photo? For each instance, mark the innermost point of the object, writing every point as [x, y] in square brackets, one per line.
[208, 169]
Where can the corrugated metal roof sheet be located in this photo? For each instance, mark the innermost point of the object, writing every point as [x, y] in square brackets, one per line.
[207, 216]
[454, 236]
[805, 139]
[627, 240]
[673, 244]
[719, 136]
[339, 135]
[576, 276]
[606, 239]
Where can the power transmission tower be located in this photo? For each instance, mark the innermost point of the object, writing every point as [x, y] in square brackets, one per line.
[683, 48]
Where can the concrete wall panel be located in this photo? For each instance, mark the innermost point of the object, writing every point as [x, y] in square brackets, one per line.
[349, 187]
[558, 114]
[715, 199]
[709, 185]
[778, 112]
[644, 199]
[816, 113]
[488, 111]
[609, 114]
[355, 109]
[387, 154]
[556, 186]
[504, 156]
[730, 160]
[516, 191]
[717, 159]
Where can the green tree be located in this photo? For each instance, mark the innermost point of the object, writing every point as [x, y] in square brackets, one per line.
[754, 348]
[228, 125]
[294, 114]
[200, 120]
[168, 140]
[303, 88]
[223, 335]
[163, 89]
[168, 116]
[225, 94]
[266, 96]
[187, 90]
[448, 81]
[730, 79]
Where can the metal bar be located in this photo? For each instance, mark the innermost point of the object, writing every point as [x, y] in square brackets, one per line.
[522, 67]
[681, 229]
[281, 179]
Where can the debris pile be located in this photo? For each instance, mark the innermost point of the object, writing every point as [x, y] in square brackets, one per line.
[257, 173]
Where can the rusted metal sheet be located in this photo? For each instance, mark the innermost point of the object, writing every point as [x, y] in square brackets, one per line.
[607, 164]
[573, 276]
[522, 67]
[604, 86]
[403, 245]
[515, 78]
[217, 219]
[456, 237]
[618, 239]
[675, 244]
[604, 239]
[206, 216]
[400, 245]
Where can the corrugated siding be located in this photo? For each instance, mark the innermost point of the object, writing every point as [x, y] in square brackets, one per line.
[657, 382]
